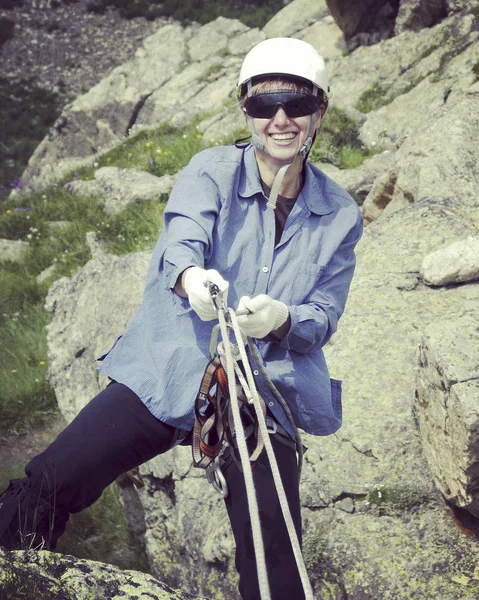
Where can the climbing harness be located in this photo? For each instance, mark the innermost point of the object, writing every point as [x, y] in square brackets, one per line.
[226, 394]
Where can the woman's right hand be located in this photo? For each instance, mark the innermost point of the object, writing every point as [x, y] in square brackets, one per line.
[195, 283]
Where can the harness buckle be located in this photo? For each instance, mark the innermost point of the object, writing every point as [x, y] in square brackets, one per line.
[271, 425]
[216, 477]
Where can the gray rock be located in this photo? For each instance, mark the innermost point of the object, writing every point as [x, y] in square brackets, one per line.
[442, 157]
[117, 285]
[213, 38]
[47, 574]
[326, 37]
[103, 115]
[12, 250]
[417, 14]
[221, 126]
[192, 92]
[455, 6]
[457, 263]
[96, 245]
[243, 42]
[358, 182]
[447, 408]
[295, 17]
[118, 188]
[46, 274]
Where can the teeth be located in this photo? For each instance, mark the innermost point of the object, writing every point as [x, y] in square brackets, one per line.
[283, 136]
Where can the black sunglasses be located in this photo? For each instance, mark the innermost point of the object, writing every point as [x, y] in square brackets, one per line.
[294, 104]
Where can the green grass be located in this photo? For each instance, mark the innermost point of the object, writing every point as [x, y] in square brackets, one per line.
[26, 399]
[339, 143]
[55, 222]
[372, 99]
[101, 533]
[163, 151]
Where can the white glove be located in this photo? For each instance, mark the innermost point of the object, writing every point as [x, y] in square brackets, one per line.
[265, 316]
[199, 297]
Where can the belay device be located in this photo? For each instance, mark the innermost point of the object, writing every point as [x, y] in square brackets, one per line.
[227, 390]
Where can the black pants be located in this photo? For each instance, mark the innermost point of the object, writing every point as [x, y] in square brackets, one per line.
[114, 433]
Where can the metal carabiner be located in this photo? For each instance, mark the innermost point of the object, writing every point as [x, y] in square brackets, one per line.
[216, 477]
[216, 297]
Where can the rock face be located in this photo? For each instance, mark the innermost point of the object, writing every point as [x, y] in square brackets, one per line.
[48, 575]
[118, 188]
[371, 511]
[447, 407]
[12, 250]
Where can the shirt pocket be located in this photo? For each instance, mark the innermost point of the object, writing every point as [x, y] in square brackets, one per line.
[305, 281]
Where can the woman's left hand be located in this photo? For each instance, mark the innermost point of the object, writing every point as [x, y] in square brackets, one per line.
[259, 316]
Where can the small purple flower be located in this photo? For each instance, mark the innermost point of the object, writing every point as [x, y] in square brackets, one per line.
[17, 185]
[150, 160]
[23, 209]
[69, 187]
[75, 176]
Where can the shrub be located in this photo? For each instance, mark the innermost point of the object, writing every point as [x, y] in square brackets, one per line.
[339, 142]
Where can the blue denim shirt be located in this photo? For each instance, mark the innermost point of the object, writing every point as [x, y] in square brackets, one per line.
[217, 218]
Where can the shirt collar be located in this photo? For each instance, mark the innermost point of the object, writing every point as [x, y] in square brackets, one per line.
[250, 181]
[313, 192]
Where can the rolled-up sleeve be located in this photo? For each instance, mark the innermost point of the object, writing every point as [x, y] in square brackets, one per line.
[314, 322]
[189, 219]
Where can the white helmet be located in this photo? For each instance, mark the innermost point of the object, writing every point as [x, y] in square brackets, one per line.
[284, 56]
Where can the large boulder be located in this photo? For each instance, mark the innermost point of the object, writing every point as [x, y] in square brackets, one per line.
[27, 574]
[456, 263]
[374, 17]
[447, 407]
[118, 188]
[417, 14]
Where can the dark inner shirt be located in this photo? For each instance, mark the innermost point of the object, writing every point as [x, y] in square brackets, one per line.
[284, 206]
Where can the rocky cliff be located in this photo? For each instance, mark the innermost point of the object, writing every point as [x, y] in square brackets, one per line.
[376, 524]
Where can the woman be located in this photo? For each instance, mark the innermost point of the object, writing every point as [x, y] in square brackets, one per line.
[277, 237]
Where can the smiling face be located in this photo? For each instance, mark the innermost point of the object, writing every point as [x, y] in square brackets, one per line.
[281, 135]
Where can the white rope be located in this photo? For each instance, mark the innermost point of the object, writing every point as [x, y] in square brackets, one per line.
[245, 462]
[273, 463]
[253, 397]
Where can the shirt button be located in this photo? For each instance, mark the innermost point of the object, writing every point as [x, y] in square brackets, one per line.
[271, 403]
[265, 269]
[256, 372]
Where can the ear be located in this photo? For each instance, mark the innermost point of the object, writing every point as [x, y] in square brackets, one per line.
[319, 116]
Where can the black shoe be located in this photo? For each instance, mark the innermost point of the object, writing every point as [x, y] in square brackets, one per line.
[25, 521]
